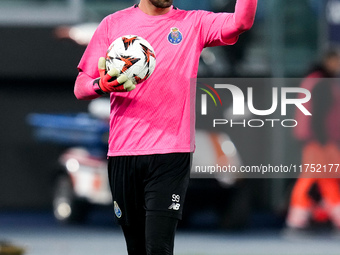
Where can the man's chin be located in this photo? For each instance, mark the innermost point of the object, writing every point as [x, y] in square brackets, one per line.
[161, 3]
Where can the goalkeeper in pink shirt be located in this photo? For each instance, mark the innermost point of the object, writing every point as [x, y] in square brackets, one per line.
[152, 124]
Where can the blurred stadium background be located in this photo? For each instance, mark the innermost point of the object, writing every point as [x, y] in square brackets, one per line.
[37, 71]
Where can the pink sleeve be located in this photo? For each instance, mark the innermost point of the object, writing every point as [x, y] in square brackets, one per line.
[224, 28]
[88, 65]
[211, 28]
[83, 88]
[241, 20]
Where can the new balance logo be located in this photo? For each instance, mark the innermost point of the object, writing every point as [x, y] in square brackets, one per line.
[174, 206]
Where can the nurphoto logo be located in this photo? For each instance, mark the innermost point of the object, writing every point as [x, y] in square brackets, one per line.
[241, 103]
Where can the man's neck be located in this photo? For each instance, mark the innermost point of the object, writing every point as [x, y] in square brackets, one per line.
[150, 9]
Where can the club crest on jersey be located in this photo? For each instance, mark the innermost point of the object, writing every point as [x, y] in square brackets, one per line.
[118, 212]
[175, 36]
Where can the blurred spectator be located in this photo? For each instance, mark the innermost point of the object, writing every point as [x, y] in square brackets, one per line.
[315, 198]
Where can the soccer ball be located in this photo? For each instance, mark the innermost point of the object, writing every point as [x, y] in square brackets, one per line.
[133, 56]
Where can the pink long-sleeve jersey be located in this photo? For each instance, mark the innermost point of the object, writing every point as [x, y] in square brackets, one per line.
[158, 116]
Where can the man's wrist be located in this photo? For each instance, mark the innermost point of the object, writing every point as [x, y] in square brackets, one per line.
[97, 88]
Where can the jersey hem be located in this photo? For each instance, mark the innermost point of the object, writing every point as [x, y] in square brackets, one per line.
[147, 152]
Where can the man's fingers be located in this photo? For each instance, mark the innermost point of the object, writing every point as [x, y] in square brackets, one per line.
[125, 87]
[113, 72]
[128, 85]
[102, 63]
[122, 78]
[122, 83]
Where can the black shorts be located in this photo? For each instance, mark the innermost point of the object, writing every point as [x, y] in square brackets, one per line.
[149, 185]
